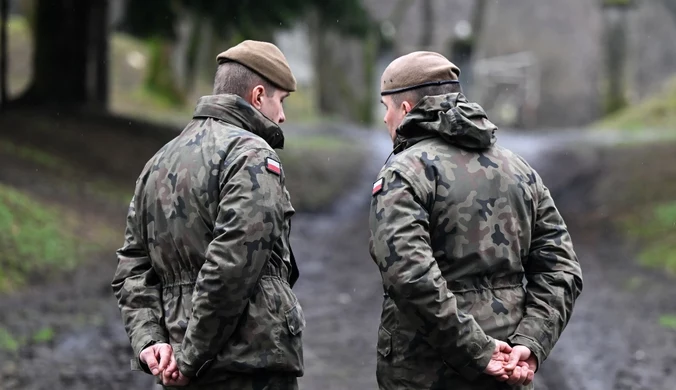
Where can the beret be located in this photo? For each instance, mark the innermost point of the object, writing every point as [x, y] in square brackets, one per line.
[417, 69]
[263, 58]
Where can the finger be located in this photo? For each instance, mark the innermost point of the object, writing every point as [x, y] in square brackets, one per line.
[148, 357]
[529, 378]
[513, 361]
[167, 376]
[172, 367]
[165, 356]
[515, 377]
[504, 347]
[502, 378]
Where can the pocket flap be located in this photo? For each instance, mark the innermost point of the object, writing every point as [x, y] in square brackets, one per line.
[384, 341]
[295, 320]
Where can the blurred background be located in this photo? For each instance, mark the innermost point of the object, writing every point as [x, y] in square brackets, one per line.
[89, 90]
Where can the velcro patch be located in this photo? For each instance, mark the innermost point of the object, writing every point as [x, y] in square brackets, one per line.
[273, 166]
[378, 186]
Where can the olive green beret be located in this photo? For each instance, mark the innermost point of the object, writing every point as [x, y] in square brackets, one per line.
[263, 58]
[418, 69]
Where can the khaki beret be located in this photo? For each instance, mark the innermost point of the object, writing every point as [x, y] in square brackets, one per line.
[417, 69]
[263, 58]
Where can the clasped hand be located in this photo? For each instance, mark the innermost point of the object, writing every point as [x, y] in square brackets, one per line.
[161, 361]
[514, 365]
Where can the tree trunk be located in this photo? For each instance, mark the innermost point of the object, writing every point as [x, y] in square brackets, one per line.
[322, 64]
[615, 59]
[463, 48]
[427, 25]
[4, 9]
[61, 52]
[160, 81]
[99, 54]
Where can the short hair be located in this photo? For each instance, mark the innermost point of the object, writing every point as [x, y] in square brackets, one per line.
[413, 96]
[235, 78]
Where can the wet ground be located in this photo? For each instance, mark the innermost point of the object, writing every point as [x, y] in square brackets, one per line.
[612, 341]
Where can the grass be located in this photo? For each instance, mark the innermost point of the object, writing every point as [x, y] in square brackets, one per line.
[37, 240]
[657, 112]
[668, 321]
[655, 227]
[10, 342]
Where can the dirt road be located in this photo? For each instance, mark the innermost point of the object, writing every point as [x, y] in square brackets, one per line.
[608, 344]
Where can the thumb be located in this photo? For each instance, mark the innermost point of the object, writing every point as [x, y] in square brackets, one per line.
[148, 357]
[514, 358]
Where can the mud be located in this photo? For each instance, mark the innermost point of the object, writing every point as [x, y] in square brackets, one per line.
[612, 342]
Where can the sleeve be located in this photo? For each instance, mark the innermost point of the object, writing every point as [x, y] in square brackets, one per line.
[401, 248]
[554, 281]
[138, 290]
[249, 221]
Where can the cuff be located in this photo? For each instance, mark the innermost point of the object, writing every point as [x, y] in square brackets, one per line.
[476, 365]
[188, 369]
[530, 343]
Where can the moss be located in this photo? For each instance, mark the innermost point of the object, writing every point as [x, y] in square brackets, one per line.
[655, 228]
[7, 341]
[657, 112]
[38, 239]
[668, 321]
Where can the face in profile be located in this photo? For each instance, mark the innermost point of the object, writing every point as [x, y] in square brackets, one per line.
[271, 106]
[394, 114]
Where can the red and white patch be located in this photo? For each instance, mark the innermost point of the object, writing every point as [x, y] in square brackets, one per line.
[378, 186]
[273, 166]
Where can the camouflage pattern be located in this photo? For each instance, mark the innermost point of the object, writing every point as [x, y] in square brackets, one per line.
[456, 228]
[206, 265]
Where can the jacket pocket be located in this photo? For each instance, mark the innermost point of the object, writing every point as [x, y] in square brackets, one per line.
[295, 320]
[384, 342]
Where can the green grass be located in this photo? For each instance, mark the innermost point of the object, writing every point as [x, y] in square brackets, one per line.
[668, 321]
[44, 335]
[8, 342]
[655, 227]
[657, 112]
[38, 239]
[11, 342]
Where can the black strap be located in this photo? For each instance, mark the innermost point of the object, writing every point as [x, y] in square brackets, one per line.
[427, 84]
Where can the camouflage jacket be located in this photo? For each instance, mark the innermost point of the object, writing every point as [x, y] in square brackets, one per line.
[206, 265]
[457, 224]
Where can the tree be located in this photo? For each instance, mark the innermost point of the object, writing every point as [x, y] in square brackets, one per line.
[67, 68]
[348, 19]
[615, 13]
[4, 9]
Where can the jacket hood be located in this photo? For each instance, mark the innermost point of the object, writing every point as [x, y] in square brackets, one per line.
[451, 117]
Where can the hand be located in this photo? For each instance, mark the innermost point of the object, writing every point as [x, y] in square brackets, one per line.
[496, 367]
[522, 364]
[157, 357]
[172, 376]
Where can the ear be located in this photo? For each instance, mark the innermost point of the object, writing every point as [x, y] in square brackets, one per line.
[256, 95]
[406, 106]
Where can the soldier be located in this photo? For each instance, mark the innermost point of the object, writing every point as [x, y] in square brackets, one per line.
[205, 274]
[457, 223]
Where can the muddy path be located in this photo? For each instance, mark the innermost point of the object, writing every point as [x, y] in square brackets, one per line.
[607, 345]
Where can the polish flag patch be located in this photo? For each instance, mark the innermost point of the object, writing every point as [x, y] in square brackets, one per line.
[273, 166]
[378, 186]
